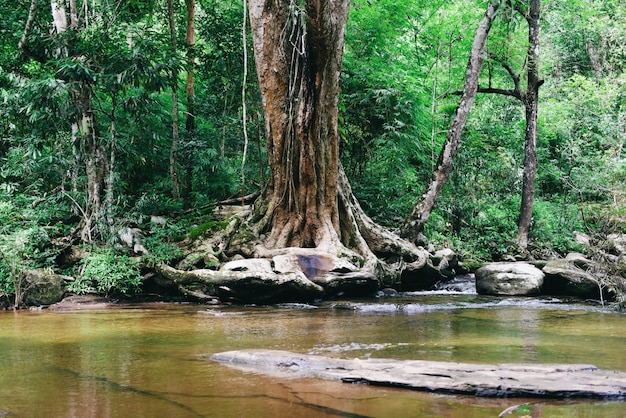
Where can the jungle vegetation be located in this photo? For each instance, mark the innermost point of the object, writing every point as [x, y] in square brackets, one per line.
[146, 114]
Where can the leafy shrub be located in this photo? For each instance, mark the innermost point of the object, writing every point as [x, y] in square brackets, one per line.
[107, 272]
[158, 243]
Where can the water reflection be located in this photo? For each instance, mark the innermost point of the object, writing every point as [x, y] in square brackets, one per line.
[151, 362]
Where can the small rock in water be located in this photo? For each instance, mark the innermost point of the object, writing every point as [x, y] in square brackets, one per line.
[387, 292]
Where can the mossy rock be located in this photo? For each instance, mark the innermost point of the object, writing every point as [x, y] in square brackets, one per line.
[207, 229]
[43, 287]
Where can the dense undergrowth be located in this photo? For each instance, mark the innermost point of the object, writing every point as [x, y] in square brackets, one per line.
[403, 60]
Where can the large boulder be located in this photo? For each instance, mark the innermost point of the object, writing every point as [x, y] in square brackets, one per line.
[43, 287]
[446, 261]
[420, 276]
[566, 278]
[616, 245]
[509, 279]
[355, 283]
[241, 285]
[292, 275]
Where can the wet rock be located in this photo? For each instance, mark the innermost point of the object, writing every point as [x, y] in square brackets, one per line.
[337, 276]
[420, 277]
[493, 380]
[260, 287]
[387, 292]
[459, 284]
[565, 278]
[43, 287]
[82, 302]
[347, 284]
[509, 279]
[446, 261]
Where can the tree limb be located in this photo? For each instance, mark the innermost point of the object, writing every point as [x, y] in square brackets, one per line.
[32, 11]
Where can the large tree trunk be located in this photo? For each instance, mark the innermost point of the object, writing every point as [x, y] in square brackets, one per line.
[298, 53]
[422, 210]
[531, 100]
[308, 202]
[95, 165]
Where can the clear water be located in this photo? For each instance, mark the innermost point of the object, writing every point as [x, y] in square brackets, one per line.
[151, 361]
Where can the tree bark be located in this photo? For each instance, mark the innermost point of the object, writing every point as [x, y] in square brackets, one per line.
[307, 207]
[531, 102]
[298, 53]
[85, 130]
[530, 99]
[422, 210]
[190, 120]
[32, 11]
[174, 169]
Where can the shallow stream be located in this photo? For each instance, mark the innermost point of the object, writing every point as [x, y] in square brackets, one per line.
[150, 361]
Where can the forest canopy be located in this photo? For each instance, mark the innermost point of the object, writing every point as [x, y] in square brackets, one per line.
[118, 115]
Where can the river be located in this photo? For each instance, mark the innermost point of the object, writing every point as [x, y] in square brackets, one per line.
[150, 360]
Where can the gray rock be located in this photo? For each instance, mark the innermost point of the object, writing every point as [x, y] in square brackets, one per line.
[581, 238]
[420, 276]
[250, 286]
[131, 238]
[446, 261]
[565, 278]
[348, 284]
[509, 279]
[43, 287]
[617, 244]
[248, 264]
[159, 220]
[493, 380]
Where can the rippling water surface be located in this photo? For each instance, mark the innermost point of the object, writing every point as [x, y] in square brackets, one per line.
[150, 361]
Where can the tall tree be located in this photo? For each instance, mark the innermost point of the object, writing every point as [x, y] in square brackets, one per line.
[174, 169]
[530, 98]
[190, 119]
[88, 145]
[422, 210]
[298, 47]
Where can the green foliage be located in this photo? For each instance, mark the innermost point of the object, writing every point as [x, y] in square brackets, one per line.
[107, 272]
[403, 61]
[26, 238]
[207, 228]
[159, 243]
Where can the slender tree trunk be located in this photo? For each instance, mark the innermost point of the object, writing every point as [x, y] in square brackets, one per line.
[86, 134]
[422, 210]
[110, 181]
[59, 18]
[32, 11]
[244, 116]
[174, 168]
[190, 120]
[531, 100]
[95, 164]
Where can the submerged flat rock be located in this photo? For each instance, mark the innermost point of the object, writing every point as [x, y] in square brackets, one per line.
[493, 380]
